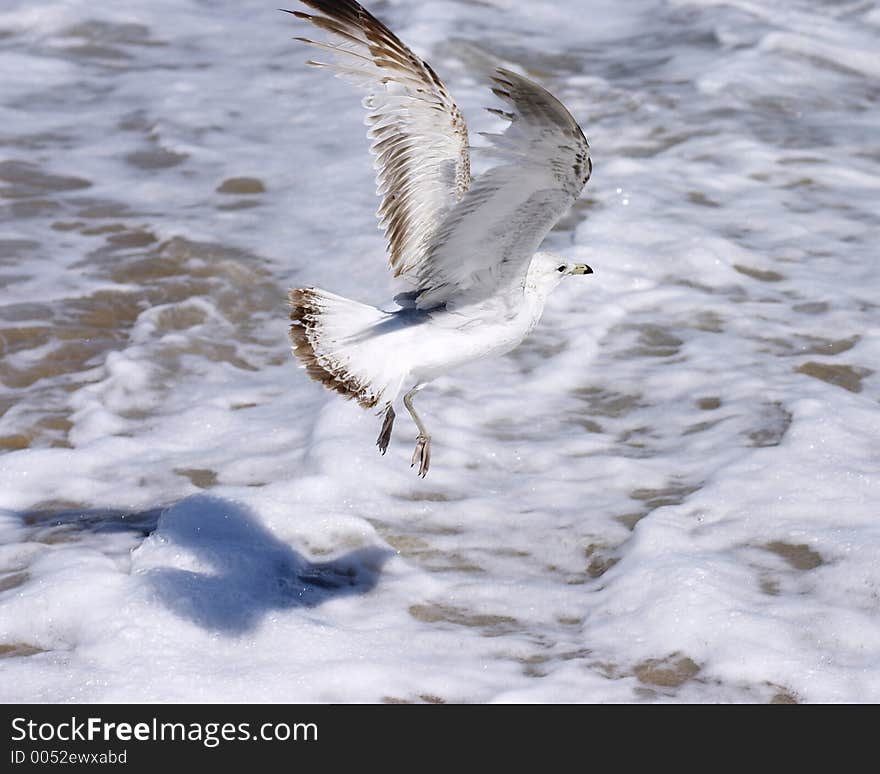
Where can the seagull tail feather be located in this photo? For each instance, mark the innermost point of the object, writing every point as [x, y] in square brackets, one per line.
[327, 334]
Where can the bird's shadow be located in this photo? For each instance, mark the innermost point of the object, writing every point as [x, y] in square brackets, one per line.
[245, 572]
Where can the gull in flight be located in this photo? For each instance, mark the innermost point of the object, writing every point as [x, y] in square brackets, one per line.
[464, 249]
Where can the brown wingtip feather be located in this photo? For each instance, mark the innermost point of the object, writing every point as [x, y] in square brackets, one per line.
[305, 313]
[346, 9]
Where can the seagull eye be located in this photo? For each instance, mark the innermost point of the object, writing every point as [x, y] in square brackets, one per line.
[561, 268]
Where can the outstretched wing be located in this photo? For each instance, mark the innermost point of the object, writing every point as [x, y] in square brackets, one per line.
[489, 238]
[419, 136]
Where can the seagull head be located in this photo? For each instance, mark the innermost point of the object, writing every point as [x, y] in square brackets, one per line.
[574, 268]
[546, 271]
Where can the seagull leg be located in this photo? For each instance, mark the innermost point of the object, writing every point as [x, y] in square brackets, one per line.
[385, 433]
[422, 453]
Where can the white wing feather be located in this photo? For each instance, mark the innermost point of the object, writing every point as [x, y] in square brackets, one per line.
[419, 136]
[486, 243]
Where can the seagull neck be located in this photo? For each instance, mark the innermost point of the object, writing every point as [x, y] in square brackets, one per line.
[540, 286]
[535, 296]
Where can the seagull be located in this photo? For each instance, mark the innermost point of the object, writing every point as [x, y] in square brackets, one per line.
[464, 250]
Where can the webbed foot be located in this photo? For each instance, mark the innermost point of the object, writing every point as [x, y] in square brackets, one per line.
[385, 433]
[422, 454]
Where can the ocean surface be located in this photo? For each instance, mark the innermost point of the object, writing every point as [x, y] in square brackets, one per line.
[669, 493]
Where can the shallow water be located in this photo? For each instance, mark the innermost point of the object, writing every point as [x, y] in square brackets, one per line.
[668, 493]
